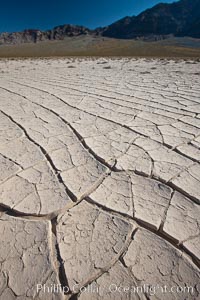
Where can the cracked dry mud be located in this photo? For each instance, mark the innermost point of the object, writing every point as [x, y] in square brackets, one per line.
[99, 179]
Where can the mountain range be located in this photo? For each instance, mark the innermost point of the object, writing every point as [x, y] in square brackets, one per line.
[180, 19]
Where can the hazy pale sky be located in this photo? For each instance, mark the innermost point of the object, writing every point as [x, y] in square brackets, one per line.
[16, 15]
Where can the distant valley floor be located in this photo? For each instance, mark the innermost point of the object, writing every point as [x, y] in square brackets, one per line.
[101, 46]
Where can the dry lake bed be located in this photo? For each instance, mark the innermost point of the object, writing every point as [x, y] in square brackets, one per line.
[99, 179]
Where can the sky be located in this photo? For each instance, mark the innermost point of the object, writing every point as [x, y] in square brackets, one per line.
[17, 15]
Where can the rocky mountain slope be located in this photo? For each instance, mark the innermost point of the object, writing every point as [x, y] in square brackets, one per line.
[180, 18]
[35, 35]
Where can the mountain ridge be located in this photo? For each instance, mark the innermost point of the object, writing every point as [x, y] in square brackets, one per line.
[180, 18]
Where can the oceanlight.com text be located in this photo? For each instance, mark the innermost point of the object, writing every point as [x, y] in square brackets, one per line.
[117, 289]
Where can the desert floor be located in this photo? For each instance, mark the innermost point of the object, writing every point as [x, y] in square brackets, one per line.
[99, 179]
[100, 46]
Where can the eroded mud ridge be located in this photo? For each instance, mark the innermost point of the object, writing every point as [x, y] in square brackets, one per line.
[99, 179]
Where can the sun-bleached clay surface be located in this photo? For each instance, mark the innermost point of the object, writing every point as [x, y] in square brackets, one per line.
[99, 179]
